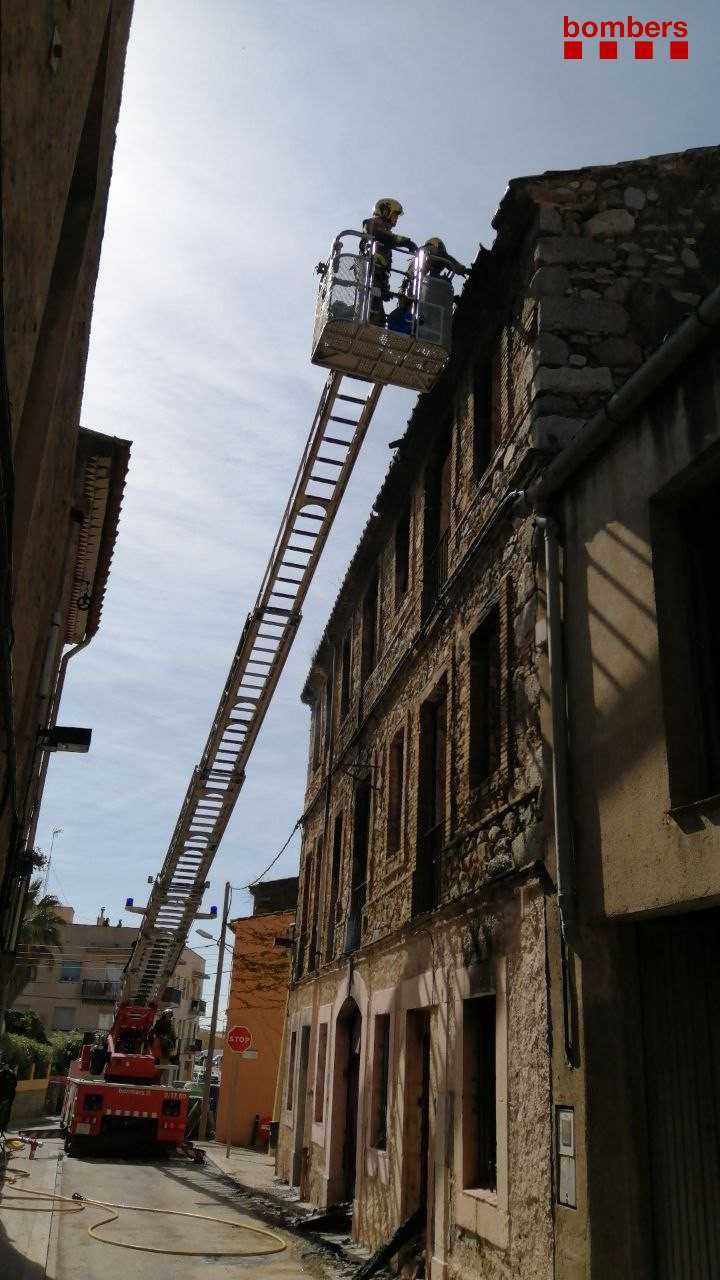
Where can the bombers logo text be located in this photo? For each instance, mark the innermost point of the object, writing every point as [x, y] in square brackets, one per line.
[671, 33]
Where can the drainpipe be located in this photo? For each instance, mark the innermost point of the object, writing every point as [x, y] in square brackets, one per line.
[54, 707]
[564, 851]
[565, 873]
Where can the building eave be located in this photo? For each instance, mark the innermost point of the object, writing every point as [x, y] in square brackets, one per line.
[101, 471]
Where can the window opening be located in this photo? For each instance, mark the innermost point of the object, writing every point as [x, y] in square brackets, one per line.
[402, 557]
[291, 1071]
[479, 1097]
[381, 1070]
[320, 1073]
[346, 674]
[396, 770]
[369, 627]
[334, 883]
[485, 699]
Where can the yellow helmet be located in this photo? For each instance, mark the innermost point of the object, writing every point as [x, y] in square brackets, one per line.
[386, 208]
[436, 246]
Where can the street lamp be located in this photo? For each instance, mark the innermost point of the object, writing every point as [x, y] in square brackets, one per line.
[202, 1128]
[204, 934]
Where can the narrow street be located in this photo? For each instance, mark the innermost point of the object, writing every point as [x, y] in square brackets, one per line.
[176, 1186]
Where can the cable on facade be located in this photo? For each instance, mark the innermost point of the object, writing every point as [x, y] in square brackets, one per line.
[239, 888]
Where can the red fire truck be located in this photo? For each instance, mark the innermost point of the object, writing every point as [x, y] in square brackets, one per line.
[123, 1097]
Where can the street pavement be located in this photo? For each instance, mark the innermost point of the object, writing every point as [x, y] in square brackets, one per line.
[24, 1227]
[175, 1184]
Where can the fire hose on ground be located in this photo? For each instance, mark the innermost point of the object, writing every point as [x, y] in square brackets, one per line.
[77, 1203]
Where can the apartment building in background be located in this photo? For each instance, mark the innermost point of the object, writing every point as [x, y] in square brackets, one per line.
[78, 991]
[493, 946]
[61, 71]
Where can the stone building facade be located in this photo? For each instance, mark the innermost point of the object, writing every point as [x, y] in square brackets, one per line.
[61, 70]
[430, 1060]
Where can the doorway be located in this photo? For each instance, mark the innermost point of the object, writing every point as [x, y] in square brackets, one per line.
[300, 1106]
[358, 887]
[431, 800]
[418, 1170]
[680, 992]
[346, 1101]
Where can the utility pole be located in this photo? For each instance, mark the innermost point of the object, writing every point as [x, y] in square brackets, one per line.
[213, 1021]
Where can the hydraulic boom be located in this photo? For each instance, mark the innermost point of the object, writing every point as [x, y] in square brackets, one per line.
[342, 418]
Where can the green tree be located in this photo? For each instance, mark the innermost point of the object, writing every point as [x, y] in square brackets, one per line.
[38, 941]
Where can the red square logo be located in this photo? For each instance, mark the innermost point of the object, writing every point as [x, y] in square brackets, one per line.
[644, 49]
[572, 49]
[678, 48]
[608, 49]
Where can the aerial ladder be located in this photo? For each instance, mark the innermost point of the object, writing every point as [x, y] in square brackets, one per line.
[124, 1086]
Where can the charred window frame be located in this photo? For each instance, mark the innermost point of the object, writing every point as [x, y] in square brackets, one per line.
[313, 952]
[483, 442]
[316, 734]
[369, 626]
[396, 781]
[485, 699]
[346, 673]
[305, 908]
[334, 884]
[291, 1071]
[328, 712]
[402, 557]
[489, 728]
[479, 1097]
[380, 1081]
[685, 527]
[319, 1108]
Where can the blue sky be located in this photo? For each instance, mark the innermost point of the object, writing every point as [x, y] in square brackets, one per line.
[250, 132]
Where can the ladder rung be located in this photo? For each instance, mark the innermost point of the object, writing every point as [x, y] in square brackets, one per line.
[351, 399]
[336, 440]
[349, 422]
[335, 461]
[258, 647]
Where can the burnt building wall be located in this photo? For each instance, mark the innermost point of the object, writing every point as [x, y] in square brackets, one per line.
[415, 894]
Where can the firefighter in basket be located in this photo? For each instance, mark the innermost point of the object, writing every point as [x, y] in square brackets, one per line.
[379, 230]
[438, 264]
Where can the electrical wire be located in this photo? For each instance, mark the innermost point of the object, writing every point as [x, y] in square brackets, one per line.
[239, 888]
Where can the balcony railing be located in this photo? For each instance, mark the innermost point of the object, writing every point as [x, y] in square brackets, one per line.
[427, 882]
[172, 995]
[101, 989]
[435, 572]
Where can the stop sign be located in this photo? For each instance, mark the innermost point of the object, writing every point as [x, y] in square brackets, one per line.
[239, 1039]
